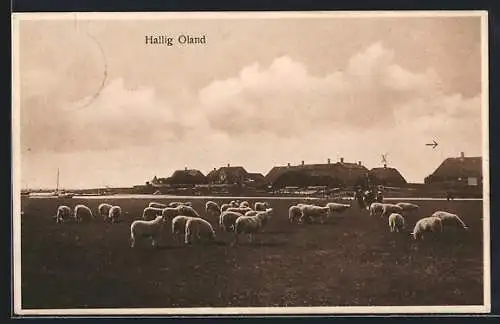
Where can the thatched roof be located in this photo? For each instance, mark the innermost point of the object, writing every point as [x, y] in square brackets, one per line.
[187, 176]
[387, 176]
[227, 175]
[457, 167]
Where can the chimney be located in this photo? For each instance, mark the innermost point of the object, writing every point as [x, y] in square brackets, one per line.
[385, 165]
[359, 163]
[341, 160]
[215, 169]
[288, 164]
[302, 163]
[328, 161]
[185, 168]
[228, 165]
[462, 155]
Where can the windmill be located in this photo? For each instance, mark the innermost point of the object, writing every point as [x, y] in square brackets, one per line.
[384, 159]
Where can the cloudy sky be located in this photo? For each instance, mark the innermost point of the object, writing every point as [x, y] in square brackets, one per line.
[259, 93]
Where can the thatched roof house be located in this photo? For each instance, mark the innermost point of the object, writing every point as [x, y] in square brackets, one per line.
[227, 175]
[386, 176]
[187, 176]
[461, 170]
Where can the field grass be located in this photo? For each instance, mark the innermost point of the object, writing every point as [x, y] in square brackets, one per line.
[352, 261]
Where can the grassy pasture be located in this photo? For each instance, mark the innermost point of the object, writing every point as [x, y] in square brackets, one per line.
[352, 260]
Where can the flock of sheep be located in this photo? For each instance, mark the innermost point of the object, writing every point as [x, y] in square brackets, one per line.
[239, 218]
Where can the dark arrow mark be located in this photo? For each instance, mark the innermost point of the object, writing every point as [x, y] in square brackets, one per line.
[433, 144]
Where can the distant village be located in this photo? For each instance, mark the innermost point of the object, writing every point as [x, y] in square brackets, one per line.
[455, 173]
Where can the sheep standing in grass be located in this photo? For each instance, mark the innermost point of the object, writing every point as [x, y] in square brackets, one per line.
[187, 210]
[224, 207]
[449, 219]
[396, 222]
[103, 210]
[264, 216]
[63, 214]
[150, 213]
[115, 213]
[426, 225]
[179, 227]
[387, 209]
[82, 214]
[212, 208]
[198, 229]
[376, 209]
[251, 225]
[146, 229]
[156, 205]
[314, 212]
[294, 214]
[337, 208]
[234, 203]
[261, 206]
[408, 207]
[227, 220]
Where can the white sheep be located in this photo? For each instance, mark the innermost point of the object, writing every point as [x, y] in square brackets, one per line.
[240, 210]
[234, 203]
[310, 212]
[251, 225]
[212, 208]
[251, 213]
[426, 225]
[337, 208]
[146, 229]
[387, 209]
[396, 222]
[150, 213]
[156, 205]
[175, 204]
[261, 206]
[179, 226]
[376, 209]
[224, 207]
[82, 213]
[63, 214]
[227, 219]
[294, 214]
[198, 229]
[103, 210]
[187, 210]
[449, 219]
[244, 204]
[115, 213]
[408, 207]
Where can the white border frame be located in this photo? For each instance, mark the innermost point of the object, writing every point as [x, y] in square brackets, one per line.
[16, 164]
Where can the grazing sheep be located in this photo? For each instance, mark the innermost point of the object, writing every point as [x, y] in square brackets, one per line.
[175, 204]
[187, 210]
[244, 204]
[114, 214]
[426, 225]
[239, 210]
[251, 225]
[294, 214]
[63, 214]
[251, 213]
[82, 214]
[396, 222]
[387, 209]
[314, 212]
[146, 229]
[198, 229]
[264, 216]
[337, 208]
[261, 206]
[156, 205]
[150, 213]
[227, 220]
[408, 206]
[224, 207]
[234, 203]
[212, 208]
[376, 209]
[449, 219]
[179, 226]
[103, 210]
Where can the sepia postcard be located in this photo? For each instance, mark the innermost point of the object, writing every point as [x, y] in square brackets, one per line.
[285, 163]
